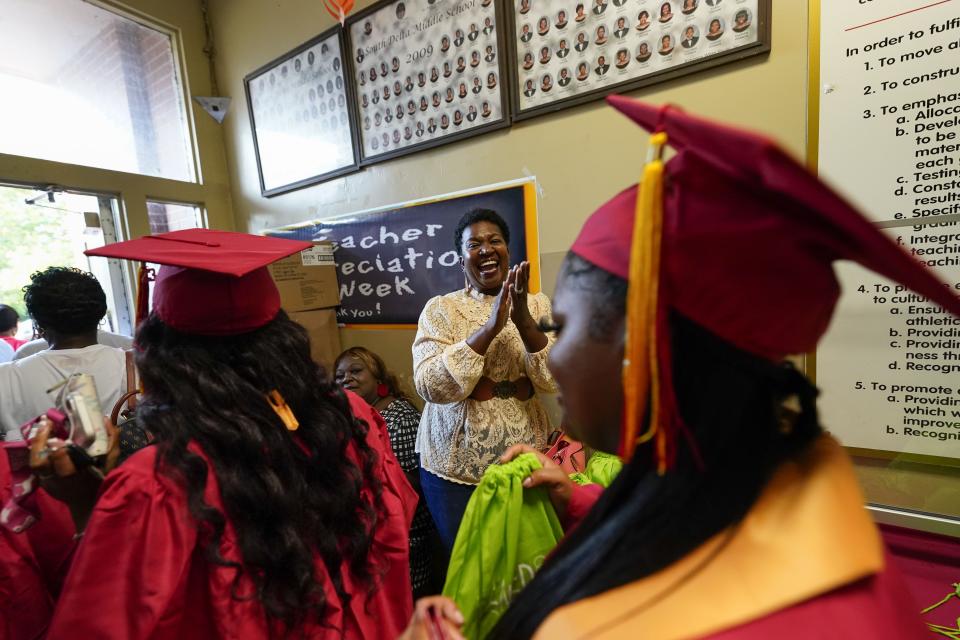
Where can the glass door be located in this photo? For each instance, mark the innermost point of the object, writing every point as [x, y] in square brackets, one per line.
[45, 227]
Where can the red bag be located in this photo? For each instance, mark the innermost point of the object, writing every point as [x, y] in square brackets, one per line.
[569, 454]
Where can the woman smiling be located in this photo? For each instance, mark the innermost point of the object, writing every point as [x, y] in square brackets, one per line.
[479, 359]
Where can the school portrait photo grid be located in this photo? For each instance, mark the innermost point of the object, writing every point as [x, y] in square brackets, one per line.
[425, 70]
[301, 102]
[567, 48]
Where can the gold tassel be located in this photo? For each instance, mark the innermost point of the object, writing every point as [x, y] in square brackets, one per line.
[640, 367]
[279, 405]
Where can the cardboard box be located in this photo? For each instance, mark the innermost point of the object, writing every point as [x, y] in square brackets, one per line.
[307, 280]
[321, 324]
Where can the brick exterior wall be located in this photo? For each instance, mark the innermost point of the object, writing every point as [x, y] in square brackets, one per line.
[128, 72]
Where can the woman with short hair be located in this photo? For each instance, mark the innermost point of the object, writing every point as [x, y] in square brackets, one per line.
[479, 360]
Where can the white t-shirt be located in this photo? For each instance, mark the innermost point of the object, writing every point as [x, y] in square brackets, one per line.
[6, 352]
[24, 383]
[103, 337]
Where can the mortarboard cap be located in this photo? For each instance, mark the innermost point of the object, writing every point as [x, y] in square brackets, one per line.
[210, 282]
[737, 236]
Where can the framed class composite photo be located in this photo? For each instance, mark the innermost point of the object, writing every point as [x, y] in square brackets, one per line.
[299, 107]
[573, 51]
[425, 73]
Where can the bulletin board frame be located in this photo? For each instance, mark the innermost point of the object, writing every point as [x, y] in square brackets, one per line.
[882, 513]
[760, 46]
[531, 226]
[813, 163]
[503, 56]
[354, 166]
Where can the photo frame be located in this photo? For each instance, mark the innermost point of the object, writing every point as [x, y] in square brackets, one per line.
[301, 116]
[569, 52]
[426, 73]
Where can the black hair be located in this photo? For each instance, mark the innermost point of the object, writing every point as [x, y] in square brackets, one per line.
[67, 300]
[733, 404]
[479, 215]
[607, 292]
[290, 496]
[377, 367]
[9, 318]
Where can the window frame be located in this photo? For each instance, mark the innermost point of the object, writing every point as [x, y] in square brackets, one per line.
[210, 188]
[180, 68]
[184, 110]
[204, 218]
[111, 219]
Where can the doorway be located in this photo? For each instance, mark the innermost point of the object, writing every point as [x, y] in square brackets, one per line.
[46, 226]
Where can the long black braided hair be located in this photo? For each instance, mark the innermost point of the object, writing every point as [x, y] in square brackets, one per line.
[738, 409]
[289, 497]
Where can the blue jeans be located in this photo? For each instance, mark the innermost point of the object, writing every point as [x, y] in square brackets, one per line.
[447, 501]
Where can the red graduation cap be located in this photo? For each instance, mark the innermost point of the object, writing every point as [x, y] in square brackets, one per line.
[213, 283]
[737, 236]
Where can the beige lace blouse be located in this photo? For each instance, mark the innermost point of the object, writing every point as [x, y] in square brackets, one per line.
[459, 437]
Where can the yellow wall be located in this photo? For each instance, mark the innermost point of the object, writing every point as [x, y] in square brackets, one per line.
[183, 16]
[580, 157]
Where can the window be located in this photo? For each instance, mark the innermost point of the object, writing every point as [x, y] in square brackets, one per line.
[169, 216]
[84, 85]
[43, 229]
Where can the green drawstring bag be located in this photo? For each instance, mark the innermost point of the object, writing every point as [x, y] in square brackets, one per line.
[602, 469]
[505, 535]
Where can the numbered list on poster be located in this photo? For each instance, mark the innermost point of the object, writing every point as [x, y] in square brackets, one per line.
[890, 141]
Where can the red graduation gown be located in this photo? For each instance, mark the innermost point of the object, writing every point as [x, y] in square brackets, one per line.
[877, 607]
[806, 563]
[25, 602]
[32, 564]
[140, 572]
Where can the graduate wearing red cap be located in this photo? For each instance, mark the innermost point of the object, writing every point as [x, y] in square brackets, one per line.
[736, 516]
[270, 503]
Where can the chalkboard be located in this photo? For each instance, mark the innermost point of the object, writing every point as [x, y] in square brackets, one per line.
[390, 261]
